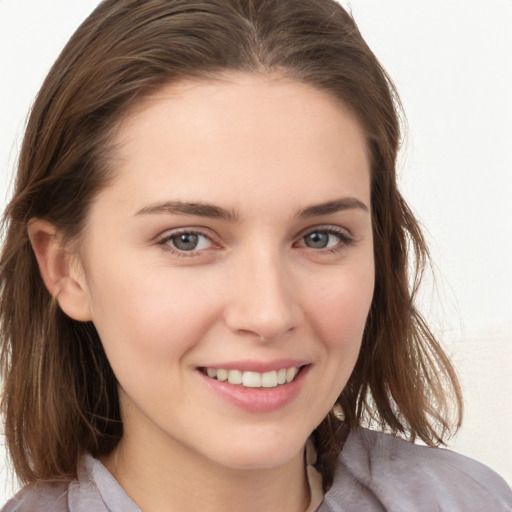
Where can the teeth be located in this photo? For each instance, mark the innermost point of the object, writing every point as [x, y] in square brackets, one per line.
[235, 377]
[254, 379]
[269, 379]
[290, 374]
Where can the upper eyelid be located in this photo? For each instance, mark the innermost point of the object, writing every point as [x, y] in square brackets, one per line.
[326, 227]
[169, 233]
[163, 241]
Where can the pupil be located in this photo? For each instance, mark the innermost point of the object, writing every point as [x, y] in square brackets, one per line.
[186, 241]
[317, 240]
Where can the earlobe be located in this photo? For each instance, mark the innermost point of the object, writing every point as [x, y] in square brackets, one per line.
[59, 270]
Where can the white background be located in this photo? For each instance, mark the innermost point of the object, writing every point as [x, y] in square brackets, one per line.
[452, 63]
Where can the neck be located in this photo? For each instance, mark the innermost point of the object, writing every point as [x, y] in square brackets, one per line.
[177, 478]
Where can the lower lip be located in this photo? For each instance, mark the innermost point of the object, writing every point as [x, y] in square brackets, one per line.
[257, 399]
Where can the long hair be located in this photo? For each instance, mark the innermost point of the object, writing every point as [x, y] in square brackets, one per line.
[59, 392]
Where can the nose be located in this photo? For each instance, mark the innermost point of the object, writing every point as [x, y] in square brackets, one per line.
[261, 300]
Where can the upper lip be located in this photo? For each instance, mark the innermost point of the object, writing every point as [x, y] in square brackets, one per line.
[257, 366]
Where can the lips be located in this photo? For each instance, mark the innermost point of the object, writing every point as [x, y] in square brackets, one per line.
[254, 379]
[256, 391]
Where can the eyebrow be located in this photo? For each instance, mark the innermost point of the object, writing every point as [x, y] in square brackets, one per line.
[195, 209]
[217, 212]
[330, 207]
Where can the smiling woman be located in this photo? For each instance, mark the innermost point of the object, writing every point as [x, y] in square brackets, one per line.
[252, 285]
[205, 296]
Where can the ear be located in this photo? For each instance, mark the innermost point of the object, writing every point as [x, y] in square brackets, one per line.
[60, 270]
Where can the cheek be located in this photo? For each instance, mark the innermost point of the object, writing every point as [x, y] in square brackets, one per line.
[340, 308]
[337, 314]
[150, 317]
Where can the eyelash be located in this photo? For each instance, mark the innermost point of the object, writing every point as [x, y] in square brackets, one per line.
[164, 242]
[345, 240]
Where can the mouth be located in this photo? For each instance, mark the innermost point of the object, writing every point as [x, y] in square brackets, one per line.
[251, 379]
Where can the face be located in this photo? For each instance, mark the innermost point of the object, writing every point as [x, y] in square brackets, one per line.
[229, 266]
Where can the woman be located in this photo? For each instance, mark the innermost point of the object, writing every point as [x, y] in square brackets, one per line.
[205, 275]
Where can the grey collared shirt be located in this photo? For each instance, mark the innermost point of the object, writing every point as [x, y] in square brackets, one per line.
[376, 473]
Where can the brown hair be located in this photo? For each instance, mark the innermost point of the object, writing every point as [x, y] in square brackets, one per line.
[60, 395]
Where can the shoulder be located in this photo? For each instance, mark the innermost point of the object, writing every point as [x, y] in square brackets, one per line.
[47, 497]
[80, 495]
[379, 472]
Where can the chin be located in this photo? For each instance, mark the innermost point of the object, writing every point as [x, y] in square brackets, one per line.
[263, 451]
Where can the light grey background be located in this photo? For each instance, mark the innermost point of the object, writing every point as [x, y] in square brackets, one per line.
[452, 63]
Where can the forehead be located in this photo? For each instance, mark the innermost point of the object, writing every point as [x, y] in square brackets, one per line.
[238, 136]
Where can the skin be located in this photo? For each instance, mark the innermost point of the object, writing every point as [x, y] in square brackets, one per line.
[255, 289]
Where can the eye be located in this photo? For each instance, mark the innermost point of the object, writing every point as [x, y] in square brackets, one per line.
[320, 240]
[325, 239]
[186, 241]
